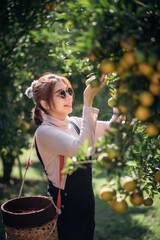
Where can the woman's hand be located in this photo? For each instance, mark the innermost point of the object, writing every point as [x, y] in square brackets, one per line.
[90, 93]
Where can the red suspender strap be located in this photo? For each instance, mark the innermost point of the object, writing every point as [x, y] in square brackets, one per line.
[60, 180]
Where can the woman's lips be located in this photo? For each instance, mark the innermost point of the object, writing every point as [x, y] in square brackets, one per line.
[68, 105]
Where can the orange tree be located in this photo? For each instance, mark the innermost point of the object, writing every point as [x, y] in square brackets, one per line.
[21, 62]
[121, 38]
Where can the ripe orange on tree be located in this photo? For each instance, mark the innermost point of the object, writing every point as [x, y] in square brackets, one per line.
[106, 194]
[146, 69]
[92, 57]
[123, 109]
[111, 203]
[123, 89]
[127, 43]
[136, 199]
[146, 98]
[157, 176]
[148, 201]
[125, 65]
[107, 66]
[142, 113]
[152, 130]
[129, 184]
[129, 58]
[155, 78]
[154, 89]
[158, 65]
[47, 6]
[103, 160]
[53, 6]
[120, 205]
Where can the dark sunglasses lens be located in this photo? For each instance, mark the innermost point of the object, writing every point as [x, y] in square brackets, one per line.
[70, 91]
[63, 93]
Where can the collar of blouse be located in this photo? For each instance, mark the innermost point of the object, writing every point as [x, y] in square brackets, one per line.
[49, 120]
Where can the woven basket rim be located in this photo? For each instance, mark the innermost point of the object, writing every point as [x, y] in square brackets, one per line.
[34, 218]
[25, 197]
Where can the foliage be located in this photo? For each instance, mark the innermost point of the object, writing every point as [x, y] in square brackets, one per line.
[85, 38]
[122, 38]
[21, 62]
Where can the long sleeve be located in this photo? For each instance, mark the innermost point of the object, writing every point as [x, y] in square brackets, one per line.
[102, 126]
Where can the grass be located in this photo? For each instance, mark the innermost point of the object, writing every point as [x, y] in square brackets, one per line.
[141, 223]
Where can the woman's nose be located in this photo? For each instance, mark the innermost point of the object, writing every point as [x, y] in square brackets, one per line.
[68, 95]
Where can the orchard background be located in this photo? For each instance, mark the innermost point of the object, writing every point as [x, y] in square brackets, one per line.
[82, 39]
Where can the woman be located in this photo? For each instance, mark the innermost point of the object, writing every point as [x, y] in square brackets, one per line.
[58, 134]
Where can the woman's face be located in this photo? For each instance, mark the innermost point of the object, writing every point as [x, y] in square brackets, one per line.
[61, 105]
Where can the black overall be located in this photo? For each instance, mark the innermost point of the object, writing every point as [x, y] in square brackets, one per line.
[76, 222]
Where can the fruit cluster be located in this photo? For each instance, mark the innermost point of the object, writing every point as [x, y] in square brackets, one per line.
[138, 86]
[130, 189]
[50, 6]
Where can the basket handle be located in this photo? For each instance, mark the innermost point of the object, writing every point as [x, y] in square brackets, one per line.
[27, 166]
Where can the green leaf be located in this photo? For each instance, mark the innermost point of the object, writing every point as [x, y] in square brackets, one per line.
[85, 146]
[158, 151]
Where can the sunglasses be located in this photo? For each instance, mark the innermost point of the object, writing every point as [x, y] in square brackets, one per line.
[62, 93]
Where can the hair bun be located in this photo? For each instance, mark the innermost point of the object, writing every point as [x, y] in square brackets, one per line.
[29, 92]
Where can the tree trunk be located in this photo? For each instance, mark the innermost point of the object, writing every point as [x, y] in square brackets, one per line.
[8, 161]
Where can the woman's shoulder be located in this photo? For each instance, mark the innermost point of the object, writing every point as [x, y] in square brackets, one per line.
[44, 130]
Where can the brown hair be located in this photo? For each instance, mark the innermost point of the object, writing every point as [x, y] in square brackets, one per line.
[43, 90]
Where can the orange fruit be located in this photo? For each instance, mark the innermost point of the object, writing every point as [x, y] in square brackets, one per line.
[129, 58]
[107, 67]
[155, 78]
[142, 113]
[111, 203]
[53, 6]
[102, 159]
[106, 194]
[123, 63]
[122, 89]
[136, 199]
[47, 6]
[154, 89]
[127, 43]
[27, 126]
[145, 69]
[158, 65]
[92, 81]
[129, 184]
[146, 98]
[113, 153]
[112, 102]
[148, 201]
[120, 205]
[123, 109]
[157, 176]
[152, 130]
[92, 57]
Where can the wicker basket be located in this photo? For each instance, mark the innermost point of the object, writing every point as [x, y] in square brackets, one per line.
[30, 218]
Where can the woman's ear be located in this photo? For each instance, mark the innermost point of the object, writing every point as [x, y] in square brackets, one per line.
[44, 104]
